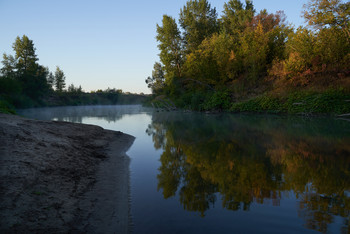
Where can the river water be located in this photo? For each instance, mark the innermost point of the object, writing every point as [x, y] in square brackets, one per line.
[229, 173]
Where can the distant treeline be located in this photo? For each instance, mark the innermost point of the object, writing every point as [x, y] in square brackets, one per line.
[213, 63]
[25, 83]
[100, 97]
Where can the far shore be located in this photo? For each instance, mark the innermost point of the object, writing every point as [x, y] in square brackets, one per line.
[60, 177]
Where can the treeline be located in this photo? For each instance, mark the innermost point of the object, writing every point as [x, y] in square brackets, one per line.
[25, 83]
[74, 97]
[209, 62]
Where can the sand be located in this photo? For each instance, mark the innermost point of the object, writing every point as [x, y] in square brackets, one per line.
[59, 177]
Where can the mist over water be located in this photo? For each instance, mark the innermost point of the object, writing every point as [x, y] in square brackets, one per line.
[225, 173]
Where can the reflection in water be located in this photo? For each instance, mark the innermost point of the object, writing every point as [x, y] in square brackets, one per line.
[110, 113]
[214, 164]
[246, 159]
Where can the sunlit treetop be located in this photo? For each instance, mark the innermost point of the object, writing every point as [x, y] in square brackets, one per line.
[328, 13]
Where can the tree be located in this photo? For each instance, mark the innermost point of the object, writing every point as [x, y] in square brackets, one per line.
[156, 82]
[254, 51]
[275, 28]
[60, 78]
[198, 21]
[9, 66]
[170, 46]
[51, 80]
[269, 21]
[237, 17]
[332, 49]
[214, 62]
[35, 84]
[301, 50]
[25, 54]
[23, 67]
[328, 13]
[76, 90]
[71, 88]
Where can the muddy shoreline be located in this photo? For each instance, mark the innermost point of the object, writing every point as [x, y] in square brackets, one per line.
[61, 177]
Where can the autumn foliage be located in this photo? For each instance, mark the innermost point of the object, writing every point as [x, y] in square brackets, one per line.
[245, 53]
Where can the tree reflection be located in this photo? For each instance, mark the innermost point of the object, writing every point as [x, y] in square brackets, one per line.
[251, 159]
[78, 113]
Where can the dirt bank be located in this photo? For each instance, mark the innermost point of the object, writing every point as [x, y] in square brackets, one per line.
[58, 177]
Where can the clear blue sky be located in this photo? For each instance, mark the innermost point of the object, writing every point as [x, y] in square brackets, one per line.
[105, 43]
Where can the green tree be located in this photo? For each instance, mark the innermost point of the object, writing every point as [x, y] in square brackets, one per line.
[263, 42]
[9, 66]
[254, 50]
[215, 61]
[244, 50]
[25, 55]
[276, 30]
[60, 78]
[301, 50]
[198, 21]
[51, 80]
[23, 67]
[236, 16]
[328, 13]
[73, 89]
[156, 82]
[170, 46]
[332, 50]
[35, 84]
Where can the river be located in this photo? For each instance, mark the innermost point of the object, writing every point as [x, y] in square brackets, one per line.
[229, 173]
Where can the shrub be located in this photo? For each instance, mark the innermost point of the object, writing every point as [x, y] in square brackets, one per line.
[6, 108]
[307, 102]
[220, 100]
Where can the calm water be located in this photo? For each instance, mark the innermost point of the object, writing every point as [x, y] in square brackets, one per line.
[198, 173]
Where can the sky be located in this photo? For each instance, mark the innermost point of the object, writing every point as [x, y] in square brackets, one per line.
[102, 44]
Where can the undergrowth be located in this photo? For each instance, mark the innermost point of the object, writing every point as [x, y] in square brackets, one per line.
[302, 102]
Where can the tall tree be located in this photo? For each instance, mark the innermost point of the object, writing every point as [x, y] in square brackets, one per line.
[198, 21]
[25, 54]
[170, 46]
[237, 16]
[60, 78]
[23, 67]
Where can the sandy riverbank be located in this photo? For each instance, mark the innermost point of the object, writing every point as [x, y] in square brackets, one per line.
[58, 177]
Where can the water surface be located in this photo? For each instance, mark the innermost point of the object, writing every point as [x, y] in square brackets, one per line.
[229, 173]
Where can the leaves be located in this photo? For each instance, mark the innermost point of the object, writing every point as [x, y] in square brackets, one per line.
[244, 52]
[25, 54]
[60, 78]
[323, 14]
[156, 82]
[198, 21]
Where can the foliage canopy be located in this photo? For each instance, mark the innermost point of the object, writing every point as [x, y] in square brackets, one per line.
[244, 52]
